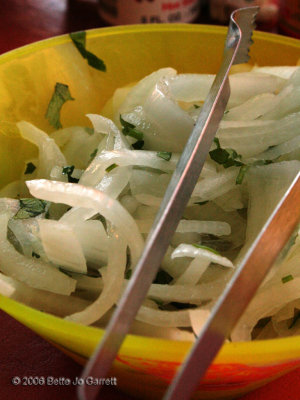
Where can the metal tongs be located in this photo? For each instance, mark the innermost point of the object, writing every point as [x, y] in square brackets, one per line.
[226, 312]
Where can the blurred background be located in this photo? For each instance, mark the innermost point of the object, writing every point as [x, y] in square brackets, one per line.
[26, 21]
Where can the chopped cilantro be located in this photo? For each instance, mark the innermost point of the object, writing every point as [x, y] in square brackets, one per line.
[79, 40]
[160, 303]
[166, 155]
[130, 130]
[225, 157]
[262, 162]
[201, 203]
[30, 167]
[33, 254]
[89, 130]
[128, 274]
[103, 221]
[60, 96]
[215, 242]
[199, 246]
[111, 167]
[241, 174]
[162, 277]
[68, 170]
[183, 306]
[230, 158]
[217, 142]
[93, 154]
[31, 208]
[138, 145]
[287, 278]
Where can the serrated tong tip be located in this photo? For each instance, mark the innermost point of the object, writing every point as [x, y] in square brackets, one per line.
[241, 27]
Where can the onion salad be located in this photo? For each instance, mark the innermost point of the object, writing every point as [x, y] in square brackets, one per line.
[75, 222]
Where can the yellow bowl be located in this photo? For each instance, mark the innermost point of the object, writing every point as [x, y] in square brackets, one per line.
[27, 77]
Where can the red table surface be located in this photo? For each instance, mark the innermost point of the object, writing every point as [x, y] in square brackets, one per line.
[23, 353]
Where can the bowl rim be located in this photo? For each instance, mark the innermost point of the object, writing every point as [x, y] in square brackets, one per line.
[12, 307]
[140, 28]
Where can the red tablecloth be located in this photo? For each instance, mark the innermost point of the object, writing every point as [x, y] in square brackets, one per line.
[22, 353]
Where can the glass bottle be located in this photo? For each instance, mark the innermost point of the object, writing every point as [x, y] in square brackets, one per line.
[120, 12]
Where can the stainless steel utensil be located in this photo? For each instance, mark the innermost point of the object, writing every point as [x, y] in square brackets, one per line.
[238, 292]
[177, 195]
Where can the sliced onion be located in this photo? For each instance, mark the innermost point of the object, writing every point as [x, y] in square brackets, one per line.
[187, 250]
[61, 245]
[31, 271]
[80, 196]
[112, 280]
[254, 137]
[53, 303]
[193, 272]
[143, 88]
[211, 188]
[49, 153]
[164, 318]
[217, 228]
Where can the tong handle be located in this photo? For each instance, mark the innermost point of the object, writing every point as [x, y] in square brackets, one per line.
[176, 198]
[238, 293]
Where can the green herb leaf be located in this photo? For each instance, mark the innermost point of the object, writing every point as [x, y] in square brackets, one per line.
[33, 254]
[199, 246]
[217, 142]
[30, 167]
[160, 303]
[60, 96]
[89, 130]
[215, 242]
[226, 157]
[183, 306]
[287, 278]
[201, 203]
[130, 130]
[128, 274]
[241, 174]
[79, 40]
[262, 162]
[31, 208]
[166, 155]
[103, 221]
[244, 168]
[111, 167]
[138, 145]
[68, 170]
[162, 277]
[93, 154]
[196, 106]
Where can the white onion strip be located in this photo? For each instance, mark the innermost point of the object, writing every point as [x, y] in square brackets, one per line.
[112, 279]
[76, 195]
[29, 270]
[188, 250]
[62, 246]
[49, 153]
[217, 228]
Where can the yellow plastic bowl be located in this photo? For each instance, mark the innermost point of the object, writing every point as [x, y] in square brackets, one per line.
[144, 366]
